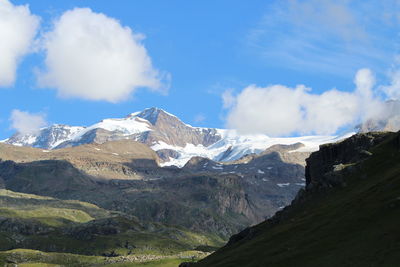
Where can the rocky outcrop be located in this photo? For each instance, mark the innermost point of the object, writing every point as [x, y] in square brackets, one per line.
[323, 166]
[23, 227]
[166, 154]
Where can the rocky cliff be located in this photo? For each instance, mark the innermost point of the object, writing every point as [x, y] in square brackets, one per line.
[325, 166]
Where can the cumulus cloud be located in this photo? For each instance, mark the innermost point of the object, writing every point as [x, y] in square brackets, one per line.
[370, 107]
[24, 122]
[228, 100]
[393, 90]
[279, 110]
[17, 29]
[92, 56]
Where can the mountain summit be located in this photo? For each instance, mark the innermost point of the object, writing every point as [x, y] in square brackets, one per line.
[153, 115]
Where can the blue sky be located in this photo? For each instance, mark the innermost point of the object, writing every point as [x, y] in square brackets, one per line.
[209, 47]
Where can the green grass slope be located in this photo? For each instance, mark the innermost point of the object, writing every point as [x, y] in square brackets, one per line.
[29, 221]
[352, 225]
[35, 258]
[47, 210]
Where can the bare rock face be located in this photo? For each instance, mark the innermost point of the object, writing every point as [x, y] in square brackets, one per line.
[323, 165]
[171, 130]
[287, 153]
[271, 179]
[111, 160]
[161, 127]
[167, 154]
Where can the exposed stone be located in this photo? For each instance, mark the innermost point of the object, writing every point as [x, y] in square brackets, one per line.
[323, 166]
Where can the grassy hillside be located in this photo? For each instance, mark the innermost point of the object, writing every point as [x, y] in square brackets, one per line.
[29, 221]
[47, 210]
[34, 258]
[356, 224]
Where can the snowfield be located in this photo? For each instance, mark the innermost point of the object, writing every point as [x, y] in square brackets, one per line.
[241, 145]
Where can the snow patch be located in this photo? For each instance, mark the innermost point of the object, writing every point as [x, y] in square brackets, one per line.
[240, 145]
[126, 126]
[217, 168]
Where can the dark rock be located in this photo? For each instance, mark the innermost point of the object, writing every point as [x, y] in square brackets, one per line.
[246, 234]
[167, 154]
[186, 264]
[320, 169]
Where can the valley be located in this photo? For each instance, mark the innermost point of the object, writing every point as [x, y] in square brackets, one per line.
[115, 200]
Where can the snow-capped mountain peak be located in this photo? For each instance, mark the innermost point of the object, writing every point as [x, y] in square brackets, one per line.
[151, 114]
[47, 138]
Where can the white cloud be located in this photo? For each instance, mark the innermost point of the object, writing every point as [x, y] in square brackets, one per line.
[92, 56]
[25, 122]
[228, 99]
[17, 30]
[370, 107]
[364, 81]
[393, 90]
[279, 110]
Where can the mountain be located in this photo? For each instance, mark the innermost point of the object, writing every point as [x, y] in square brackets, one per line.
[204, 195]
[112, 186]
[47, 138]
[174, 141]
[347, 215]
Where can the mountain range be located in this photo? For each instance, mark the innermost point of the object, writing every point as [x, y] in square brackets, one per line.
[174, 141]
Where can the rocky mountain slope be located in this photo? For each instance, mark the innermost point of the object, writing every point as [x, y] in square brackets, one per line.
[124, 159]
[174, 141]
[346, 216]
[209, 196]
